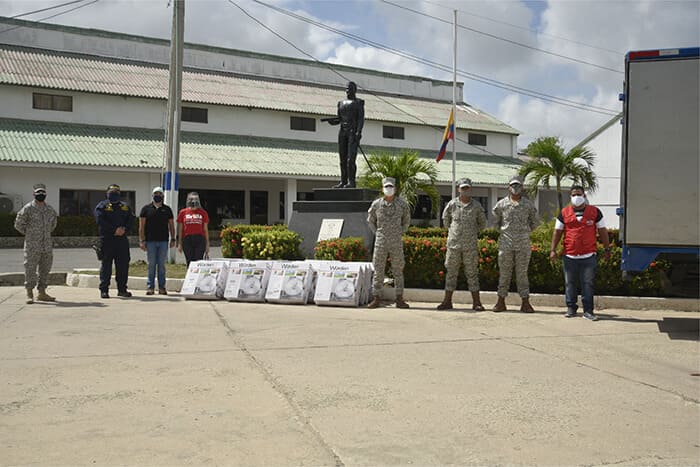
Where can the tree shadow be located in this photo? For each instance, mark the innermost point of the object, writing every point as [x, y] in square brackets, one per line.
[681, 328]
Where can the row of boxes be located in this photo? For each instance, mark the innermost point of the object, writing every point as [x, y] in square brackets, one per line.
[311, 281]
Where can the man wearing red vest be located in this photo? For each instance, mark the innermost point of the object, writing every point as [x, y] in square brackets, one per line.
[580, 223]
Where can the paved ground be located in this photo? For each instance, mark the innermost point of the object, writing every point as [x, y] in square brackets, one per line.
[66, 259]
[163, 381]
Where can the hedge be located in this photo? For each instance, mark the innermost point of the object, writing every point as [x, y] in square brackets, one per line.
[271, 244]
[342, 249]
[231, 244]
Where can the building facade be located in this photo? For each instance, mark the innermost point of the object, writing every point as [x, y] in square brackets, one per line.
[83, 109]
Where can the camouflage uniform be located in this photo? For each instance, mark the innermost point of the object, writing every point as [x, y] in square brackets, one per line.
[388, 221]
[36, 222]
[515, 219]
[463, 221]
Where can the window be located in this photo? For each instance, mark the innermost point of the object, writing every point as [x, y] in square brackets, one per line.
[393, 132]
[477, 139]
[302, 123]
[83, 202]
[195, 114]
[282, 206]
[423, 208]
[221, 205]
[52, 102]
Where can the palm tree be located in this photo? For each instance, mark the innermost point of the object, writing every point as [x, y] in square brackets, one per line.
[412, 175]
[549, 160]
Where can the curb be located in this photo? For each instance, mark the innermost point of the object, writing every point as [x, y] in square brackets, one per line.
[460, 297]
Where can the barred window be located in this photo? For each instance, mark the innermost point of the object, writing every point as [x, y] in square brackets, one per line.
[52, 102]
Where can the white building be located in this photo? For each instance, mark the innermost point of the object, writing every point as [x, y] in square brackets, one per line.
[82, 109]
[606, 143]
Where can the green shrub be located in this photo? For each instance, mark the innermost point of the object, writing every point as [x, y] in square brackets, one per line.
[424, 262]
[66, 226]
[423, 232]
[493, 234]
[342, 249]
[271, 244]
[231, 246]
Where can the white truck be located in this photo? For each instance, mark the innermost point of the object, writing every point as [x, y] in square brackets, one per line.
[661, 160]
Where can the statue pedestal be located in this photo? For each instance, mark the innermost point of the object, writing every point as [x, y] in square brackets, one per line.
[349, 204]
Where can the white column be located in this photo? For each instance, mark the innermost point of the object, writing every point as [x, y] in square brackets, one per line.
[290, 196]
[493, 197]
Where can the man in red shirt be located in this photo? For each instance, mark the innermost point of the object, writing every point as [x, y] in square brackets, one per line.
[580, 224]
[193, 229]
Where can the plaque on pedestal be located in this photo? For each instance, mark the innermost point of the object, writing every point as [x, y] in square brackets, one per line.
[348, 204]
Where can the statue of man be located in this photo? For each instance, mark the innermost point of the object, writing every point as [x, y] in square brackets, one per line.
[351, 118]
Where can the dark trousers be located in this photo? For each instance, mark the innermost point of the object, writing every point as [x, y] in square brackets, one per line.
[580, 272]
[347, 147]
[194, 246]
[114, 249]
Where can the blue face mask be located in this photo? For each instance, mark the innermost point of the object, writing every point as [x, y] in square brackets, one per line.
[157, 198]
[113, 197]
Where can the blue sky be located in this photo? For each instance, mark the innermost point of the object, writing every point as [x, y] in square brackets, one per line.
[596, 32]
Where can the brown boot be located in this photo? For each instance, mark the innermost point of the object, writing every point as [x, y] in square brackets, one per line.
[400, 303]
[375, 303]
[42, 296]
[500, 305]
[476, 302]
[526, 307]
[446, 301]
[30, 297]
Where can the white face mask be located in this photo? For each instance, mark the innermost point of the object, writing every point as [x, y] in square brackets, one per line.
[388, 190]
[577, 200]
[516, 189]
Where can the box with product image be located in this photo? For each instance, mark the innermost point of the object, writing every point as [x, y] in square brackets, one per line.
[368, 275]
[340, 284]
[205, 280]
[247, 281]
[289, 282]
[317, 265]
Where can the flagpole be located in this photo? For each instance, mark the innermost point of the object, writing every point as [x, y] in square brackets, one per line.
[454, 107]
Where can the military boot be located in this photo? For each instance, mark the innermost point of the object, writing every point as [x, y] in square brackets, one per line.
[30, 297]
[526, 307]
[375, 302]
[446, 301]
[42, 296]
[476, 302]
[400, 303]
[500, 305]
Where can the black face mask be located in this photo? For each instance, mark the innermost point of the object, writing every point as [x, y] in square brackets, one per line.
[40, 197]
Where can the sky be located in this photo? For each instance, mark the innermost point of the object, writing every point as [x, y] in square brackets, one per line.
[564, 49]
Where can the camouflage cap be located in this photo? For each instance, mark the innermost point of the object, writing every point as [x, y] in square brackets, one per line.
[388, 181]
[464, 182]
[39, 187]
[515, 179]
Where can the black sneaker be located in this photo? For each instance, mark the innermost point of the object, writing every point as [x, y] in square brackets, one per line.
[104, 294]
[124, 293]
[570, 313]
[590, 315]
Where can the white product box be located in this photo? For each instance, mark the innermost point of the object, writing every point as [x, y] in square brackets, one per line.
[289, 282]
[247, 280]
[340, 284]
[205, 280]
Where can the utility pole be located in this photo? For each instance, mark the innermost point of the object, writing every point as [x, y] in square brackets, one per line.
[171, 182]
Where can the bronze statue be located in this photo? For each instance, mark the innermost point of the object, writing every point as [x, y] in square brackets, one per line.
[351, 118]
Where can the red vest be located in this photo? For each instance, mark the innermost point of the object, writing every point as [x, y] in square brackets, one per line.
[579, 236]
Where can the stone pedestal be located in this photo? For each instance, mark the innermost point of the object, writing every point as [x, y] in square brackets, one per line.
[349, 204]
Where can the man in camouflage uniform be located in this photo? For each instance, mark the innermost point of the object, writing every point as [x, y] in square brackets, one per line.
[516, 217]
[464, 218]
[388, 217]
[36, 221]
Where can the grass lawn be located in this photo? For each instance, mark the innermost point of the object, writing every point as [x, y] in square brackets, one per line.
[140, 269]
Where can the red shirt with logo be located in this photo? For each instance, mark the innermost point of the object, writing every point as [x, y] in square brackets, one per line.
[193, 221]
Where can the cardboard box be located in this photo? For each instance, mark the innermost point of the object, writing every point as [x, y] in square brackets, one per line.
[247, 281]
[205, 280]
[289, 282]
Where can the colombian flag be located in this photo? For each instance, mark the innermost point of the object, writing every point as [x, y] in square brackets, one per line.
[449, 134]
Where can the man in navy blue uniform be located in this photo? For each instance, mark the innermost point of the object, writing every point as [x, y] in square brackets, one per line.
[114, 219]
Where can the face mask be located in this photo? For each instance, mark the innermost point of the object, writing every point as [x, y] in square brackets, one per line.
[516, 189]
[388, 190]
[158, 198]
[40, 197]
[577, 200]
[113, 197]
[193, 203]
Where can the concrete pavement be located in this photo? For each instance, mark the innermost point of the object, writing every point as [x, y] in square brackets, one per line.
[163, 381]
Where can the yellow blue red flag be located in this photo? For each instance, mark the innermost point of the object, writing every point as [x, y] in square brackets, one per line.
[447, 136]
